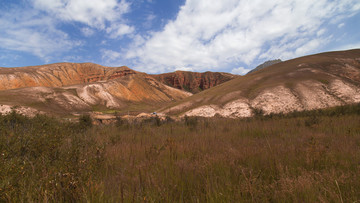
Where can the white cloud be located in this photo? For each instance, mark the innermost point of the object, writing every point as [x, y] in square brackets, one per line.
[110, 57]
[341, 25]
[149, 20]
[184, 69]
[100, 14]
[87, 31]
[212, 34]
[321, 32]
[34, 28]
[119, 30]
[150, 17]
[240, 71]
[94, 13]
[33, 33]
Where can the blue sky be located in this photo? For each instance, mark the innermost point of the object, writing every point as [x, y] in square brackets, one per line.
[156, 36]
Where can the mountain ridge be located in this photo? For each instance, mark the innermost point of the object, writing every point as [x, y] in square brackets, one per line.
[59, 74]
[265, 65]
[65, 88]
[305, 83]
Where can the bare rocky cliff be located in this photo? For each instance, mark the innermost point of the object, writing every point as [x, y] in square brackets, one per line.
[192, 81]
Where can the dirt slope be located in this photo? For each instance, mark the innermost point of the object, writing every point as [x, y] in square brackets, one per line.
[310, 82]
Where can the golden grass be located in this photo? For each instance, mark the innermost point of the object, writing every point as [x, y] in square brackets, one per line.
[278, 159]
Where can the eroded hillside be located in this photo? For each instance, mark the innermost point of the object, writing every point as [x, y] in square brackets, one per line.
[68, 87]
[192, 81]
[306, 83]
[59, 74]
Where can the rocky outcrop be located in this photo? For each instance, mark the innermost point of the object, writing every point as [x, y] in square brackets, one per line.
[27, 111]
[193, 82]
[59, 75]
[265, 64]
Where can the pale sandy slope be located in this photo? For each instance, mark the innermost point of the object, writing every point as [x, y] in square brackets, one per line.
[306, 83]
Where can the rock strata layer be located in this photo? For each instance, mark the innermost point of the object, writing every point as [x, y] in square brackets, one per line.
[194, 82]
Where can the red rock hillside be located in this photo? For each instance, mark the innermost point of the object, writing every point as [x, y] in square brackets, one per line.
[192, 81]
[68, 88]
[59, 75]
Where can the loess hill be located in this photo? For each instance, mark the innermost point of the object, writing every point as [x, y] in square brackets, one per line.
[305, 83]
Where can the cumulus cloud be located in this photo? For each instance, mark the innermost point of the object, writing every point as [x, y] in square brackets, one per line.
[119, 30]
[212, 34]
[100, 14]
[184, 69]
[87, 31]
[110, 57]
[35, 26]
[33, 33]
[299, 47]
[94, 13]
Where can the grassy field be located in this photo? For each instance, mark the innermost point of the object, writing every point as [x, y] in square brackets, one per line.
[301, 157]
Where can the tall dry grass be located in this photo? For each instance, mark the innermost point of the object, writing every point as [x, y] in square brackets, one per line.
[303, 158]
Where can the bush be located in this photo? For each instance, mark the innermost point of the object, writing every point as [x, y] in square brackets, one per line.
[157, 120]
[85, 121]
[43, 159]
[311, 121]
[258, 112]
[191, 122]
[168, 119]
[119, 122]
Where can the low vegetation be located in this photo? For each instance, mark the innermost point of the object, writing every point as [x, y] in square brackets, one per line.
[309, 156]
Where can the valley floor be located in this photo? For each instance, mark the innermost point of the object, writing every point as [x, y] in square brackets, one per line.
[303, 157]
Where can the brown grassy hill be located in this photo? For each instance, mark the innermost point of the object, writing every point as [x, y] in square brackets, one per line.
[305, 83]
[67, 88]
[192, 81]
